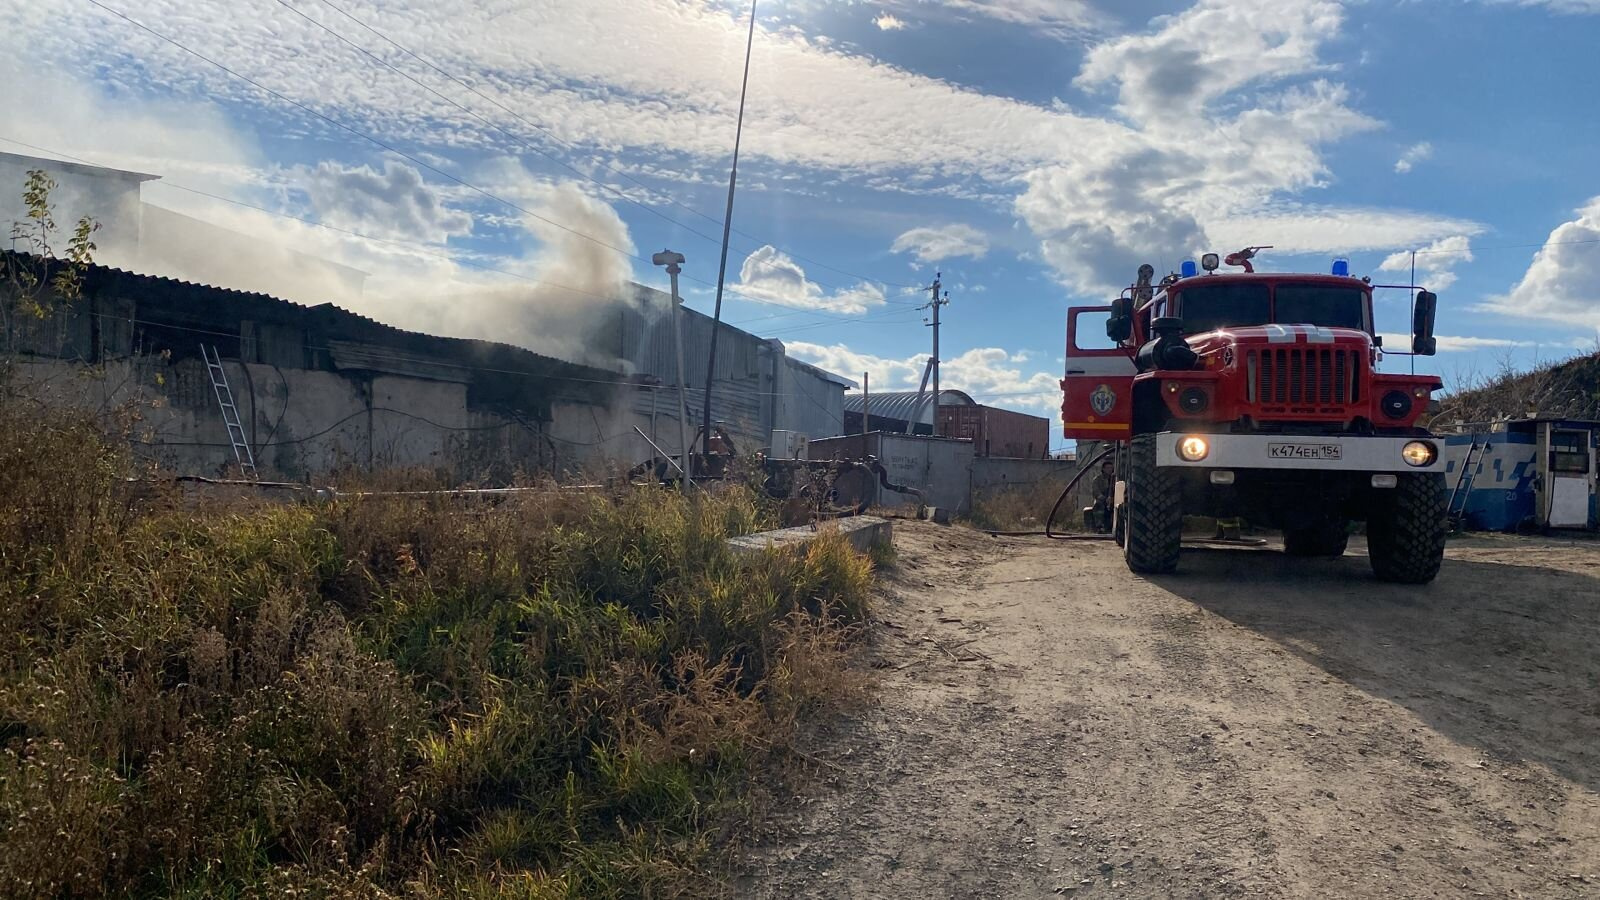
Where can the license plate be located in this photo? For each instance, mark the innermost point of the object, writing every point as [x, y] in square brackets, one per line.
[1304, 451]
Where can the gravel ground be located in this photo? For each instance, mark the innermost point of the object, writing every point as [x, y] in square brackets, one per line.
[1047, 724]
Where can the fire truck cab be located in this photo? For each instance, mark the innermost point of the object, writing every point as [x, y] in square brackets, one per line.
[1257, 395]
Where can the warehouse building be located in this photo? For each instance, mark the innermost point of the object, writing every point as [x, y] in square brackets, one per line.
[319, 388]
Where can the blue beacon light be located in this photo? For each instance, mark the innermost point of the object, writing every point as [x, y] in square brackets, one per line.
[1341, 267]
[1189, 269]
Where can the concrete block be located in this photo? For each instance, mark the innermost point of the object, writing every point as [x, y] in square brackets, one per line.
[861, 531]
[938, 515]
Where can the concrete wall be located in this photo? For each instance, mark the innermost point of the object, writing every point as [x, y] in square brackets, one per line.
[303, 424]
[992, 474]
[939, 467]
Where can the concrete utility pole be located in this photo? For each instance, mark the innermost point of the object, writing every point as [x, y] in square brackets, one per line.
[866, 402]
[674, 263]
[934, 303]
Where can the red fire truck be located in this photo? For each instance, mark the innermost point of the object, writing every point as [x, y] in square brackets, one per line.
[1257, 396]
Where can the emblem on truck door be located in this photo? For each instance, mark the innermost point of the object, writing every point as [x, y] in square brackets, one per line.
[1102, 400]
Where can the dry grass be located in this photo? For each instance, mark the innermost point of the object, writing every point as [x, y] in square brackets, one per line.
[1026, 507]
[558, 695]
[1569, 388]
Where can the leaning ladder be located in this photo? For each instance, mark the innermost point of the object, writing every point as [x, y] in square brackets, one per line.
[1464, 479]
[230, 413]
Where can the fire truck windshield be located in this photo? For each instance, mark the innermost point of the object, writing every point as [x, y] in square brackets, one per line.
[1318, 304]
[1208, 307]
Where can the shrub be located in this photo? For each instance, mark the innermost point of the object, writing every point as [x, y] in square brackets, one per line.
[556, 695]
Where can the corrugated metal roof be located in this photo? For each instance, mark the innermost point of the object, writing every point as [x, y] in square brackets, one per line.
[44, 162]
[901, 404]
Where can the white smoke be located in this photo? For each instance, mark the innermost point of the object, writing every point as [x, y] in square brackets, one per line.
[583, 274]
[386, 256]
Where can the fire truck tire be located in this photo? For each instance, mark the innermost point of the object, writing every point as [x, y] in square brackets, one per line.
[1324, 540]
[1154, 510]
[1406, 531]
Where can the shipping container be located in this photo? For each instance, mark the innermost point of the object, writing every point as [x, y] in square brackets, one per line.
[997, 432]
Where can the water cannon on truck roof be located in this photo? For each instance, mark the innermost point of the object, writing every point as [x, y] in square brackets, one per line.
[1258, 395]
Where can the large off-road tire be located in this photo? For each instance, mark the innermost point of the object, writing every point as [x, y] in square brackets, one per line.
[1406, 530]
[1329, 539]
[1154, 512]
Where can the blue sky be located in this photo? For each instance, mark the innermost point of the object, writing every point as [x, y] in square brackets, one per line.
[1034, 151]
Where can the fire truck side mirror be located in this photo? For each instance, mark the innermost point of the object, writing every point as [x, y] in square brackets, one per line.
[1422, 313]
[1120, 326]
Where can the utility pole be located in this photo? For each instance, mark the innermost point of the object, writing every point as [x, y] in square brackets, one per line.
[934, 302]
[727, 225]
[674, 262]
[866, 402]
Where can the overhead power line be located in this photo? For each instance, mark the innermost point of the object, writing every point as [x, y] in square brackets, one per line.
[420, 247]
[365, 136]
[391, 148]
[424, 248]
[487, 121]
[547, 133]
[1539, 246]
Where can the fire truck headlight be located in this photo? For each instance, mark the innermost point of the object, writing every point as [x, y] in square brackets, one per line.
[1419, 453]
[1194, 400]
[1193, 448]
[1396, 404]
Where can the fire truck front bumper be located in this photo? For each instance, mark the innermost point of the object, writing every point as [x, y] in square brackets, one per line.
[1339, 453]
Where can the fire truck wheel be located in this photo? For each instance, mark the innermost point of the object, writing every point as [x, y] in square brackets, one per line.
[1406, 530]
[1154, 509]
[1324, 540]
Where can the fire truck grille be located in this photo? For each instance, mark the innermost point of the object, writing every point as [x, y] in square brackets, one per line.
[1305, 377]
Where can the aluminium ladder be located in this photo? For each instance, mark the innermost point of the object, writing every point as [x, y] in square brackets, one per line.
[1464, 479]
[230, 413]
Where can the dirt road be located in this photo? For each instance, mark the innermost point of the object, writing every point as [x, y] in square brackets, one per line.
[1049, 725]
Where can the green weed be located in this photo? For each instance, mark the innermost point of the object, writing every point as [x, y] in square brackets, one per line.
[557, 695]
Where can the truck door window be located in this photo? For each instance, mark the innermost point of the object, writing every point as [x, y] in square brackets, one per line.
[1207, 307]
[1089, 330]
[1316, 304]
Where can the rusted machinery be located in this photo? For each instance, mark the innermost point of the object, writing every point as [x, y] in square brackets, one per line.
[810, 489]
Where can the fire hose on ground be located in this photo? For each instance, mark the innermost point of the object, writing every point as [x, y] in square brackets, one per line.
[1049, 523]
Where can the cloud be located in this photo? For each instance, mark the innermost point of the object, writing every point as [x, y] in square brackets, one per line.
[392, 203]
[1151, 196]
[769, 275]
[990, 374]
[1560, 281]
[1061, 19]
[1413, 154]
[1435, 263]
[412, 285]
[887, 373]
[934, 244]
[889, 22]
[1334, 229]
[1454, 344]
[570, 67]
[1215, 118]
[1570, 7]
[1218, 148]
[1208, 51]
